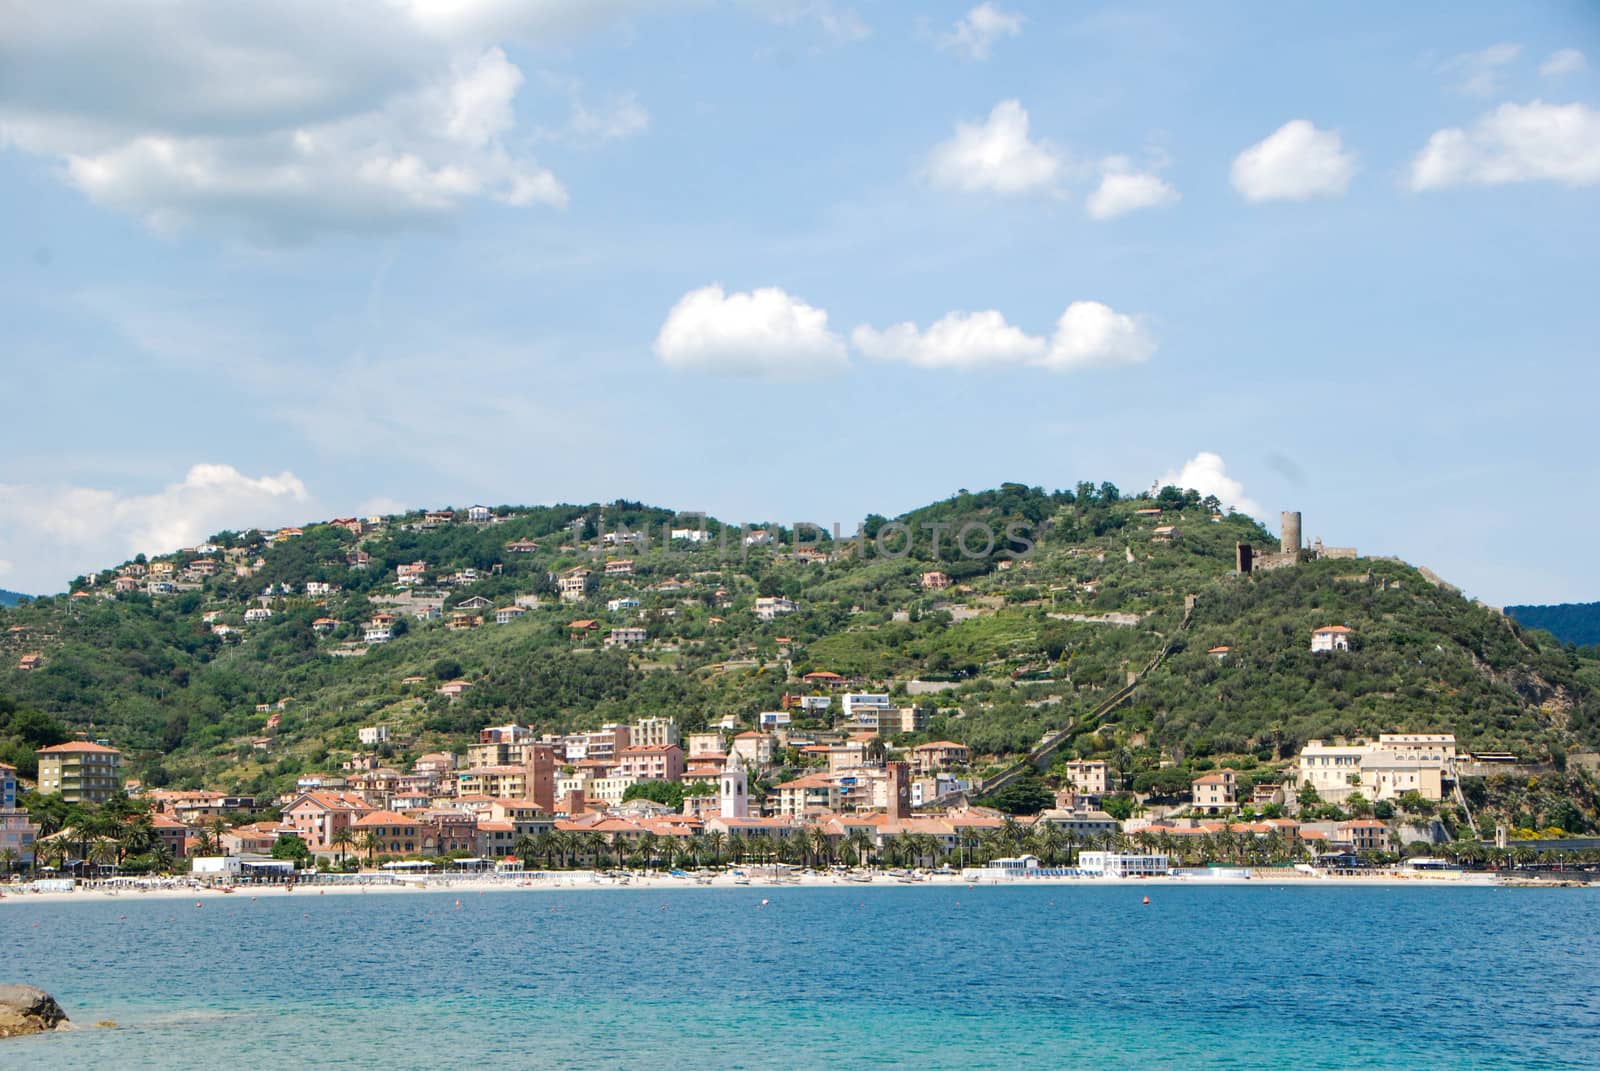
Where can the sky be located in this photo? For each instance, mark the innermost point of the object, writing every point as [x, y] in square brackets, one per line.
[783, 260]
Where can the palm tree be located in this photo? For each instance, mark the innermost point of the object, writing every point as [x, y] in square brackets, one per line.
[861, 841]
[525, 848]
[9, 857]
[716, 843]
[342, 839]
[369, 842]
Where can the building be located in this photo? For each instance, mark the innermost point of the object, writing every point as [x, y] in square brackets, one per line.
[574, 585]
[372, 735]
[1089, 777]
[318, 818]
[641, 763]
[507, 614]
[1424, 763]
[1122, 864]
[709, 742]
[770, 608]
[625, 637]
[17, 832]
[733, 791]
[935, 581]
[1367, 835]
[1330, 638]
[1215, 792]
[660, 732]
[752, 748]
[80, 771]
[939, 755]
[396, 834]
[808, 795]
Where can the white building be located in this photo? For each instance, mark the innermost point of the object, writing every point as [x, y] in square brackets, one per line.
[1331, 638]
[693, 535]
[372, 735]
[1122, 864]
[1397, 763]
[257, 614]
[625, 637]
[770, 608]
[377, 634]
[625, 603]
[654, 732]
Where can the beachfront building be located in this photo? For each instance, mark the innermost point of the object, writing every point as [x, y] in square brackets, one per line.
[80, 771]
[1123, 864]
[394, 833]
[319, 817]
[1397, 763]
[17, 832]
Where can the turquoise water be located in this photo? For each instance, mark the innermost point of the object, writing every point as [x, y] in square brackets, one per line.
[933, 978]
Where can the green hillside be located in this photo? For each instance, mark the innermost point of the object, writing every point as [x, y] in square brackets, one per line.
[11, 598]
[1572, 622]
[1076, 591]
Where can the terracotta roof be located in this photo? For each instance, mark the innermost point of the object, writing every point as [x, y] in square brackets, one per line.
[1332, 628]
[77, 746]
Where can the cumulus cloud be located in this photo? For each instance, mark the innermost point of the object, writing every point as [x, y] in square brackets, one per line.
[1479, 72]
[1534, 142]
[976, 32]
[760, 333]
[1296, 162]
[59, 532]
[1206, 473]
[288, 122]
[1566, 61]
[1124, 189]
[1088, 335]
[958, 340]
[995, 156]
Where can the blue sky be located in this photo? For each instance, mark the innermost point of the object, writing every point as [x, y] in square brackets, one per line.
[793, 259]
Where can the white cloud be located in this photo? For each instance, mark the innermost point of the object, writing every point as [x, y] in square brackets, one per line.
[622, 117]
[958, 340]
[1123, 189]
[288, 122]
[1480, 71]
[1092, 335]
[72, 530]
[976, 32]
[1088, 335]
[1514, 143]
[1206, 473]
[763, 332]
[1296, 162]
[995, 156]
[1566, 61]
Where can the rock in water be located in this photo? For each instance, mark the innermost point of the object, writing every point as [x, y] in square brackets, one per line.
[25, 1009]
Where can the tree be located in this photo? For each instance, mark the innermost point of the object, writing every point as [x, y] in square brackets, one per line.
[292, 847]
[343, 840]
[666, 793]
[1027, 794]
[369, 842]
[1309, 796]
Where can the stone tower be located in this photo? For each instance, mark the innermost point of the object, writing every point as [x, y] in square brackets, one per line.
[899, 790]
[734, 790]
[1291, 532]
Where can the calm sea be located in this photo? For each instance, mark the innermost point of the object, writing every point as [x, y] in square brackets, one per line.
[931, 978]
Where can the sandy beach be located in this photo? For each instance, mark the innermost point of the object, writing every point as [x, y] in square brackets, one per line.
[590, 881]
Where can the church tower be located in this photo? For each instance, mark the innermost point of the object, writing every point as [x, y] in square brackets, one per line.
[734, 790]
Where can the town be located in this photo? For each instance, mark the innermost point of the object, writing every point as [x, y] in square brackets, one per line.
[646, 795]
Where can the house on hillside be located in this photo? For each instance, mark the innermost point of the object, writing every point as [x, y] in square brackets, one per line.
[479, 514]
[507, 614]
[1331, 638]
[935, 580]
[625, 637]
[619, 567]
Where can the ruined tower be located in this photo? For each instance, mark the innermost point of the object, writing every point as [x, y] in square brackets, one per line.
[1291, 532]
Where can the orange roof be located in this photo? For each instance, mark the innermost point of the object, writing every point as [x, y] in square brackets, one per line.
[385, 818]
[1332, 628]
[78, 746]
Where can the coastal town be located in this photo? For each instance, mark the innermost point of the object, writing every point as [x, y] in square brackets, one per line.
[648, 796]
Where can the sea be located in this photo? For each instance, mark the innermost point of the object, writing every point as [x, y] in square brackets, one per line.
[1225, 978]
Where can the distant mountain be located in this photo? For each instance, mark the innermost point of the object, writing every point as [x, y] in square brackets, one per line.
[1570, 622]
[11, 598]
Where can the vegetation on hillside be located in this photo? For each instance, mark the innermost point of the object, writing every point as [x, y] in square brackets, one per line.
[1055, 598]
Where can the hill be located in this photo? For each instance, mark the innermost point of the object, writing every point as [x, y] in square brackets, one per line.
[1013, 613]
[1572, 622]
[11, 598]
